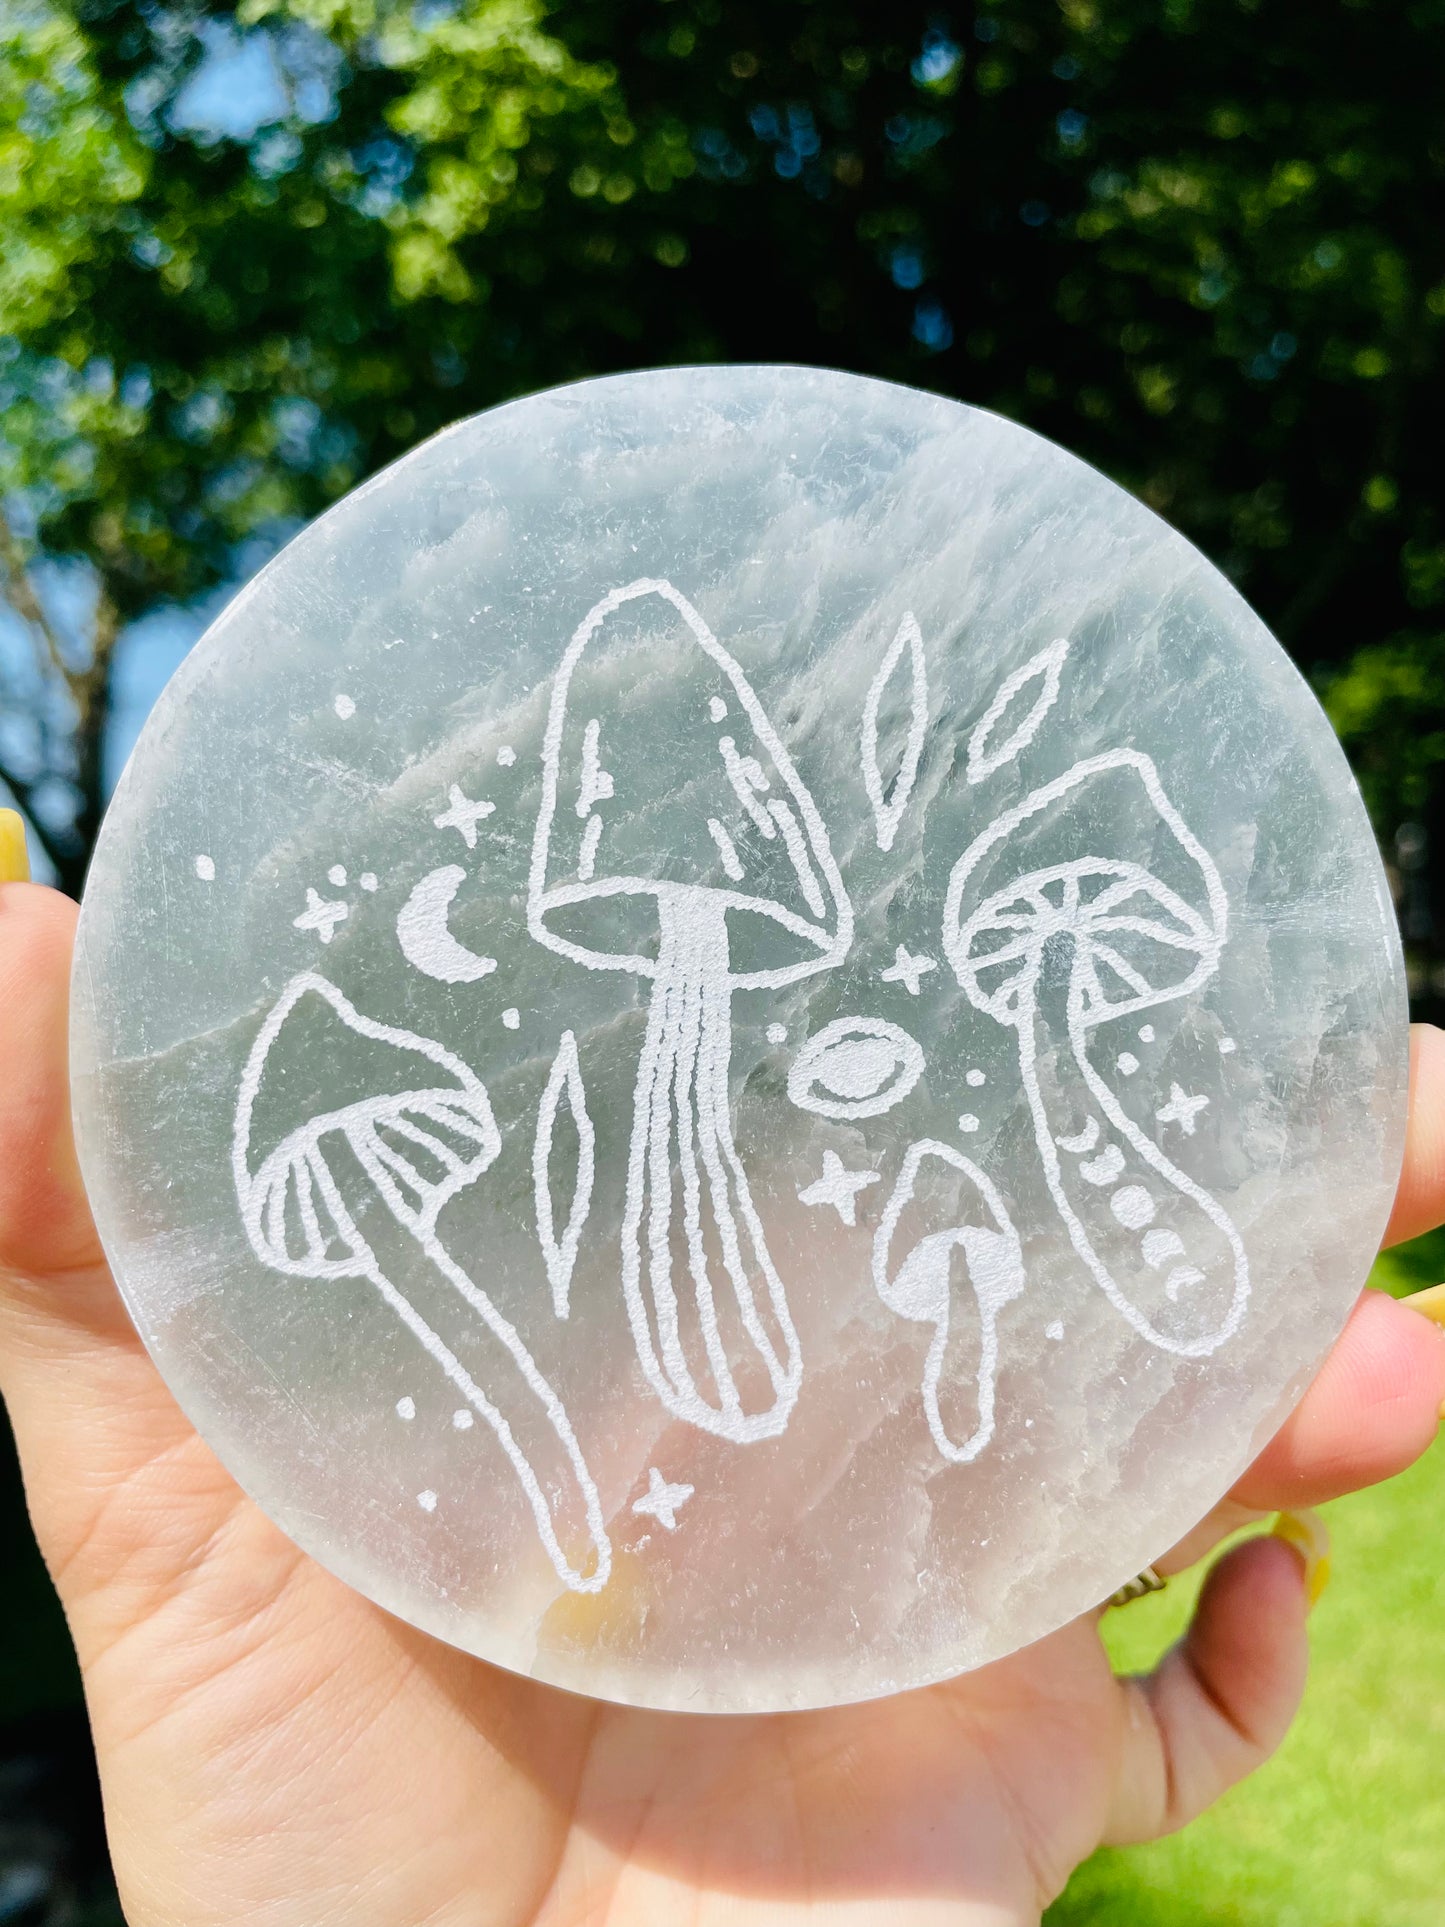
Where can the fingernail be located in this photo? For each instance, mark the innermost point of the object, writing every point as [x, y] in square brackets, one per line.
[1430, 1304]
[1310, 1537]
[14, 861]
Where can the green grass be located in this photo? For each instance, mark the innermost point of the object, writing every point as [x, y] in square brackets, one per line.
[1346, 1825]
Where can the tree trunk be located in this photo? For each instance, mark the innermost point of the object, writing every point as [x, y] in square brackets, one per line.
[91, 690]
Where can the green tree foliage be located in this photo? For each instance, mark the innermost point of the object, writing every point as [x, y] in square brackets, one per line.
[1199, 241]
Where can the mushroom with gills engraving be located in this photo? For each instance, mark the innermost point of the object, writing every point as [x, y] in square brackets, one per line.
[707, 871]
[1052, 945]
[350, 1138]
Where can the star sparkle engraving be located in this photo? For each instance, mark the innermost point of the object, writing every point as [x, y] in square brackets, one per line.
[906, 969]
[661, 1500]
[320, 916]
[839, 1187]
[1182, 1109]
[463, 814]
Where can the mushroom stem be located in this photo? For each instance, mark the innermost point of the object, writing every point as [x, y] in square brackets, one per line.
[938, 1251]
[682, 1096]
[921, 1288]
[1128, 1209]
[523, 1411]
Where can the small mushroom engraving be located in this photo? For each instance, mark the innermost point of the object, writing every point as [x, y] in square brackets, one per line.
[402, 1127]
[921, 1287]
[625, 879]
[1052, 945]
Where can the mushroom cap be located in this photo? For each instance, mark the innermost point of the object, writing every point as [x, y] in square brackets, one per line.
[962, 1201]
[416, 1118]
[1137, 938]
[718, 814]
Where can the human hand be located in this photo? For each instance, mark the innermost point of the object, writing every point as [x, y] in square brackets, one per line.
[275, 1750]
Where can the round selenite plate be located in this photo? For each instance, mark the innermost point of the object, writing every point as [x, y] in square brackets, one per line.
[738, 1037]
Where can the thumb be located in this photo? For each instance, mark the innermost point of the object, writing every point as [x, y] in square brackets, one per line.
[1219, 1702]
[45, 1223]
[121, 1491]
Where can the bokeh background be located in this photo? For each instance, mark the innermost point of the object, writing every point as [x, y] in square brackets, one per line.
[248, 254]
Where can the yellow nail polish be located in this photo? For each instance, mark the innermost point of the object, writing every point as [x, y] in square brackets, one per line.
[1429, 1304]
[14, 861]
[1310, 1537]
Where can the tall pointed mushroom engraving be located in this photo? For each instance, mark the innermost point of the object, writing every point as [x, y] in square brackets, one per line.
[921, 1286]
[410, 1128]
[739, 837]
[1052, 944]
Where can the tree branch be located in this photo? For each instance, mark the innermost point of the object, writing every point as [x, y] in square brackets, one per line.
[91, 694]
[26, 603]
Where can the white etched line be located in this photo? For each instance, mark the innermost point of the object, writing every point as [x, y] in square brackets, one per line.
[1082, 898]
[463, 815]
[984, 757]
[424, 935]
[906, 969]
[415, 1201]
[1105, 1168]
[888, 803]
[798, 853]
[920, 1287]
[681, 1094]
[662, 1500]
[587, 853]
[320, 915]
[838, 1187]
[726, 849]
[739, 776]
[559, 1254]
[596, 784]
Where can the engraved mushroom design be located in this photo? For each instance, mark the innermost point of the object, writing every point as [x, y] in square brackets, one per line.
[351, 1135]
[715, 878]
[938, 1182]
[1053, 945]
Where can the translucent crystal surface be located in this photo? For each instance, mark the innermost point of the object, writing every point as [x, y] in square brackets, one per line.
[737, 1037]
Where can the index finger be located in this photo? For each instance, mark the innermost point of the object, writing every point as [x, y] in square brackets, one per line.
[1420, 1199]
[1376, 1405]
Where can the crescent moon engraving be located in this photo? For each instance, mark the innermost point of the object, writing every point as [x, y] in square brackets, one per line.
[426, 942]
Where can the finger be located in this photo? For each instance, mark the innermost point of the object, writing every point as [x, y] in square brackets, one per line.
[1373, 1409]
[1220, 1702]
[1420, 1199]
[1377, 1402]
[1228, 1517]
[120, 1489]
[45, 1222]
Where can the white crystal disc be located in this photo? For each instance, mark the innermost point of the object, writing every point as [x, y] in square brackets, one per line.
[737, 1037]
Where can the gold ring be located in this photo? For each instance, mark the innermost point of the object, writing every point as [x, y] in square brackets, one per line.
[1139, 1587]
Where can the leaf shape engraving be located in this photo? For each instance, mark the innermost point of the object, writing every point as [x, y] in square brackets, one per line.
[984, 756]
[559, 1255]
[890, 801]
